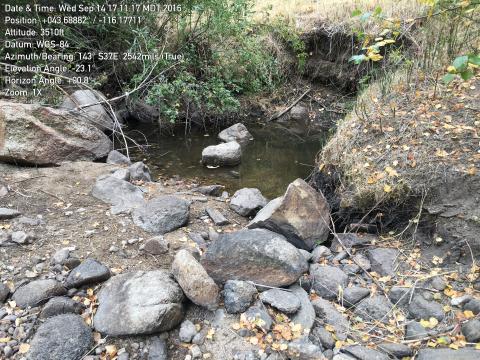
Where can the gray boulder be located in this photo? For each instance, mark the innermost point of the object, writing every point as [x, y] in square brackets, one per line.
[328, 314]
[238, 296]
[45, 136]
[37, 292]
[420, 308]
[139, 303]
[122, 195]
[382, 260]
[237, 132]
[226, 154]
[6, 213]
[282, 300]
[139, 172]
[374, 308]
[259, 255]
[60, 305]
[117, 158]
[447, 354]
[95, 114]
[162, 214]
[194, 280]
[62, 337]
[302, 215]
[247, 201]
[88, 272]
[328, 280]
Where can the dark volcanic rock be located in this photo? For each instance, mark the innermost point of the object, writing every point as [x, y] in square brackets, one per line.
[139, 303]
[156, 245]
[327, 280]
[60, 305]
[398, 350]
[327, 313]
[88, 272]
[420, 308]
[364, 353]
[383, 260]
[162, 214]
[238, 295]
[350, 240]
[471, 330]
[374, 308]
[447, 354]
[354, 294]
[257, 255]
[305, 316]
[210, 190]
[37, 292]
[63, 337]
[258, 314]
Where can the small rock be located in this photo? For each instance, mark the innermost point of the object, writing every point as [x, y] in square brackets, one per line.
[187, 331]
[60, 305]
[37, 292]
[88, 272]
[60, 256]
[327, 280]
[471, 330]
[447, 354]
[4, 292]
[157, 349]
[330, 315]
[156, 245]
[420, 308]
[303, 348]
[238, 295]
[20, 237]
[374, 308]
[210, 190]
[473, 305]
[354, 294]
[6, 214]
[364, 353]
[362, 261]
[459, 301]
[383, 260]
[139, 172]
[415, 331]
[282, 300]
[399, 295]
[299, 113]
[320, 252]
[321, 336]
[217, 217]
[198, 240]
[197, 285]
[196, 352]
[350, 240]
[247, 201]
[438, 283]
[117, 158]
[400, 351]
[305, 316]
[258, 314]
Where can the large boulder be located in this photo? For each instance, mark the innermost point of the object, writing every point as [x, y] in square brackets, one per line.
[139, 303]
[259, 255]
[237, 132]
[247, 201]
[302, 215]
[38, 135]
[62, 337]
[227, 154]
[162, 214]
[119, 193]
[194, 280]
[95, 114]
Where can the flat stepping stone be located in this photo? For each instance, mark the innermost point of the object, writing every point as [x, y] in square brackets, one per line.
[217, 217]
[88, 272]
[282, 300]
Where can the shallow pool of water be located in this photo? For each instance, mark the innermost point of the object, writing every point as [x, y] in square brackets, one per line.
[275, 157]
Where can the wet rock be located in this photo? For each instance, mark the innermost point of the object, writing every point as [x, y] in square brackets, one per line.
[138, 303]
[4, 292]
[194, 280]
[328, 314]
[63, 337]
[322, 337]
[88, 272]
[247, 201]
[258, 314]
[350, 241]
[227, 154]
[257, 255]
[162, 214]
[320, 252]
[139, 172]
[447, 354]
[282, 300]
[45, 136]
[364, 353]
[217, 217]
[383, 260]
[302, 215]
[157, 349]
[6, 213]
[238, 295]
[117, 158]
[305, 316]
[187, 331]
[471, 330]
[37, 292]
[60, 256]
[399, 351]
[303, 348]
[414, 330]
[95, 114]
[122, 195]
[354, 294]
[156, 245]
[210, 190]
[473, 305]
[374, 308]
[237, 132]
[60, 305]
[327, 280]
[420, 308]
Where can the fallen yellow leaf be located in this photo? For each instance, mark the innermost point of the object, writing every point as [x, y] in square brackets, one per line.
[23, 348]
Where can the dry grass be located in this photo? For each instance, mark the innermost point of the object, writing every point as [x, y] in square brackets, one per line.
[308, 14]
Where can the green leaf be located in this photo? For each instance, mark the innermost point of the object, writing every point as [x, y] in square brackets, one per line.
[467, 74]
[474, 59]
[356, 12]
[357, 59]
[377, 11]
[365, 16]
[461, 63]
[448, 78]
